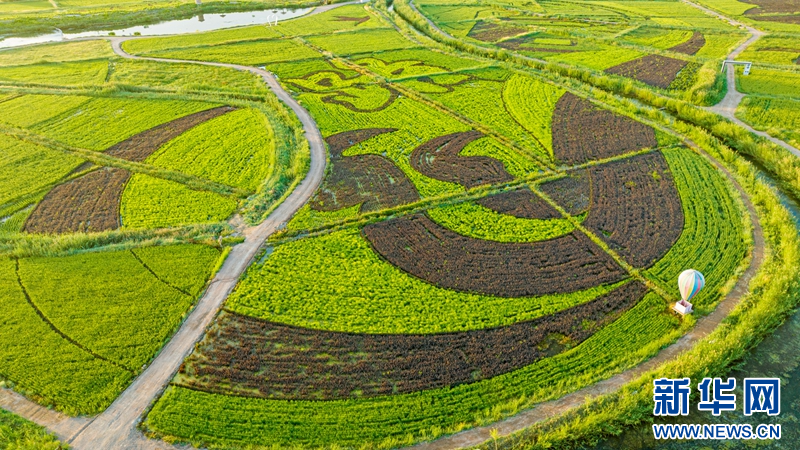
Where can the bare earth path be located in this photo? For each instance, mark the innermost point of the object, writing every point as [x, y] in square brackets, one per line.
[116, 428]
[727, 107]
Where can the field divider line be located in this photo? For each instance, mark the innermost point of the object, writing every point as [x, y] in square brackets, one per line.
[632, 271]
[415, 207]
[414, 95]
[155, 275]
[102, 159]
[56, 329]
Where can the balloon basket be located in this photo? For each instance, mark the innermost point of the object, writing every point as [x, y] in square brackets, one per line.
[683, 307]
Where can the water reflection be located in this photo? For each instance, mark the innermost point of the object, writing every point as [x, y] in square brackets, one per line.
[202, 22]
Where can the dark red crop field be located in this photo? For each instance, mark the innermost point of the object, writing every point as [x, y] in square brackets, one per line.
[521, 203]
[583, 132]
[85, 204]
[692, 46]
[655, 70]
[374, 181]
[252, 357]
[635, 208]
[439, 158]
[442, 257]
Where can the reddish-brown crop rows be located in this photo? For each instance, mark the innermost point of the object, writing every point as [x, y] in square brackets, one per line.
[371, 180]
[571, 192]
[91, 202]
[252, 357]
[439, 158]
[773, 6]
[442, 257]
[655, 70]
[85, 204]
[692, 46]
[636, 208]
[490, 32]
[583, 132]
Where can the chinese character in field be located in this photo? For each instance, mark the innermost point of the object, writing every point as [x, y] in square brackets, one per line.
[722, 401]
[762, 395]
[671, 396]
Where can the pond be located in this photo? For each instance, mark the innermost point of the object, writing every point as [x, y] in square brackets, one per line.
[202, 22]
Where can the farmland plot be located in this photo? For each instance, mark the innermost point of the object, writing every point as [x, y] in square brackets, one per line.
[78, 328]
[527, 264]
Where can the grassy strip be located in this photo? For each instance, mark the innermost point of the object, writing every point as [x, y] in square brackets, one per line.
[18, 433]
[102, 159]
[30, 245]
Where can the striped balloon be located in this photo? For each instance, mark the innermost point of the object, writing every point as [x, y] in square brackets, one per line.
[689, 283]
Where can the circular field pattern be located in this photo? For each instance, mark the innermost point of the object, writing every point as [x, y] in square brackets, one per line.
[435, 313]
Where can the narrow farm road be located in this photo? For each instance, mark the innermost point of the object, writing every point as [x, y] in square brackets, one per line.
[116, 428]
[727, 106]
[61, 425]
[705, 325]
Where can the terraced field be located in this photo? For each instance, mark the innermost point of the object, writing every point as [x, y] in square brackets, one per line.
[487, 236]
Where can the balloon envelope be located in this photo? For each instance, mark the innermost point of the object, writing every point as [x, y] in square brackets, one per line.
[689, 283]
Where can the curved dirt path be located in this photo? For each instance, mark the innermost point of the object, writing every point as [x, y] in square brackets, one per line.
[116, 428]
[727, 106]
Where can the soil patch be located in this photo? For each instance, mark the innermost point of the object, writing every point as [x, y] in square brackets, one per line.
[692, 46]
[251, 357]
[772, 6]
[360, 20]
[571, 192]
[86, 204]
[439, 158]
[636, 208]
[521, 203]
[490, 32]
[373, 181]
[446, 259]
[655, 70]
[583, 132]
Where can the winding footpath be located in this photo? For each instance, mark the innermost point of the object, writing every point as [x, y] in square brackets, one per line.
[116, 427]
[727, 106]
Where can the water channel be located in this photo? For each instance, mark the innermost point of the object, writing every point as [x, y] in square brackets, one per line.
[199, 23]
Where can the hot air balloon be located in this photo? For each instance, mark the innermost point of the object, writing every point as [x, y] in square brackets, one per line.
[689, 283]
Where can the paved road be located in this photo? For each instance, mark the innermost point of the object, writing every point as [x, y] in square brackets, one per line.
[727, 106]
